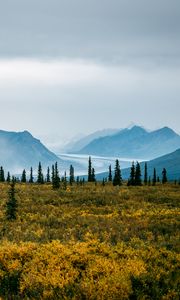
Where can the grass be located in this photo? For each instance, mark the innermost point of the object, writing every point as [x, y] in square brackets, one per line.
[90, 242]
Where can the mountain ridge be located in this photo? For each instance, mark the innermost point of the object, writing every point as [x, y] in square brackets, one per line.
[135, 142]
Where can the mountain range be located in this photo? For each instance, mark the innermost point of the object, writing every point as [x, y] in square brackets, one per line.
[79, 144]
[134, 143]
[19, 150]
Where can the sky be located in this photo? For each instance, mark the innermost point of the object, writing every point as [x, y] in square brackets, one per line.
[71, 67]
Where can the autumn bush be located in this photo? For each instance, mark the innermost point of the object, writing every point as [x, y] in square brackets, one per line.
[90, 242]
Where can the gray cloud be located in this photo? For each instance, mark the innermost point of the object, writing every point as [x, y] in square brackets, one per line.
[111, 30]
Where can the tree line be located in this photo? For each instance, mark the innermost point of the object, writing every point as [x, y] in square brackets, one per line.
[52, 176]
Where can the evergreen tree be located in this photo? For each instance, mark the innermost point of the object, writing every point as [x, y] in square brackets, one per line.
[11, 204]
[40, 178]
[110, 174]
[48, 175]
[31, 178]
[131, 180]
[93, 179]
[158, 179]
[138, 174]
[89, 170]
[103, 182]
[154, 177]
[71, 175]
[145, 174]
[23, 177]
[55, 177]
[117, 180]
[52, 174]
[164, 176]
[2, 177]
[65, 181]
[77, 180]
[149, 180]
[8, 179]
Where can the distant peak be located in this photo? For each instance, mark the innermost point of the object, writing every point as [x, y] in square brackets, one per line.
[137, 128]
[168, 131]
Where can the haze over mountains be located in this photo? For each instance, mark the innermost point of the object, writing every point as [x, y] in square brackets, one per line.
[134, 143]
[19, 150]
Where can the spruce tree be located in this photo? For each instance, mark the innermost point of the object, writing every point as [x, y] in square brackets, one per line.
[31, 179]
[55, 177]
[131, 180]
[71, 175]
[110, 174]
[52, 174]
[93, 177]
[11, 204]
[103, 182]
[2, 177]
[117, 180]
[154, 180]
[138, 174]
[8, 179]
[89, 170]
[149, 180]
[48, 175]
[164, 176]
[23, 176]
[40, 177]
[65, 181]
[77, 180]
[145, 174]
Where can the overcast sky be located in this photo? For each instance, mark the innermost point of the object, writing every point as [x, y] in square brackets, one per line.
[77, 66]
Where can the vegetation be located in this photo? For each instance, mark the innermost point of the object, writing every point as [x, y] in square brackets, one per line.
[88, 241]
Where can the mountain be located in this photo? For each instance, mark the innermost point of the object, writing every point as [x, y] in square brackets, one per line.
[19, 150]
[135, 143]
[77, 145]
[169, 161]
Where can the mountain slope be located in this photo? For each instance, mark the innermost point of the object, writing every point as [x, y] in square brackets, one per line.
[21, 150]
[135, 143]
[169, 161]
[73, 147]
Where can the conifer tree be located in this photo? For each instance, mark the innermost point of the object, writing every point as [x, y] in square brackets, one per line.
[77, 180]
[89, 170]
[110, 174]
[11, 204]
[138, 174]
[93, 179]
[48, 175]
[55, 177]
[164, 176]
[154, 177]
[103, 182]
[149, 180]
[71, 175]
[8, 179]
[52, 174]
[65, 181]
[145, 174]
[158, 179]
[2, 177]
[40, 177]
[23, 177]
[31, 178]
[131, 180]
[117, 180]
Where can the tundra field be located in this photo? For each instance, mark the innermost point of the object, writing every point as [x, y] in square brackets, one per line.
[90, 242]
